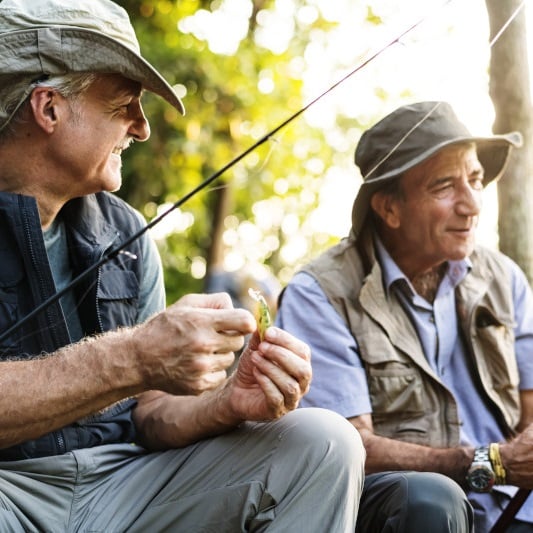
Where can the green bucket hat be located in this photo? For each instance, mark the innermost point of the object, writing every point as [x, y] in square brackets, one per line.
[410, 135]
[55, 37]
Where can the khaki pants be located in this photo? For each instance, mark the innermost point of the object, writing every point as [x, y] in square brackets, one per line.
[302, 473]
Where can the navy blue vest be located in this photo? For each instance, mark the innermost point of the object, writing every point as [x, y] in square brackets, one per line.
[107, 299]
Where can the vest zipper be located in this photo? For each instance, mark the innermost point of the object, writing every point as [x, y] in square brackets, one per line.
[60, 441]
[45, 286]
[97, 306]
[41, 282]
[98, 278]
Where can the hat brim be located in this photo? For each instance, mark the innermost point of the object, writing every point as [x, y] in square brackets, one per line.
[493, 154]
[75, 50]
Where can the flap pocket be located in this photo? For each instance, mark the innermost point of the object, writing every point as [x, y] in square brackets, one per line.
[118, 285]
[396, 391]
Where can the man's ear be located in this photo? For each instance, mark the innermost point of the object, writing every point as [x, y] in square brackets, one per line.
[386, 207]
[43, 102]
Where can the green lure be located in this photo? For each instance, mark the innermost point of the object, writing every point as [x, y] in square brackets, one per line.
[262, 314]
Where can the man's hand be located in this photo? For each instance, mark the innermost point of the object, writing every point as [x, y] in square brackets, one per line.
[271, 378]
[187, 348]
[517, 459]
[185, 351]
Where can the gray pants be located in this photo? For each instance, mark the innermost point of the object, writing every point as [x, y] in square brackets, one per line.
[414, 502]
[302, 473]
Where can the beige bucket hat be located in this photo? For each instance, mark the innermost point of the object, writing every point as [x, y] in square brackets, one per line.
[55, 37]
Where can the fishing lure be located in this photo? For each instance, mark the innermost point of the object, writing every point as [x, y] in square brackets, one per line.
[262, 314]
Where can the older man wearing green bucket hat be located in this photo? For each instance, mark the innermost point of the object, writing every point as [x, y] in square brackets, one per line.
[421, 338]
[116, 413]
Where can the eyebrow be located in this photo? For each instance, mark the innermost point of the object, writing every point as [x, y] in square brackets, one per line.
[441, 180]
[129, 87]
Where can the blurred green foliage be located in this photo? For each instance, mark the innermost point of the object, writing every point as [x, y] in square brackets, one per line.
[225, 114]
[275, 207]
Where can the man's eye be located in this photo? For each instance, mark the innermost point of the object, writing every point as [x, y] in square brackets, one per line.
[443, 186]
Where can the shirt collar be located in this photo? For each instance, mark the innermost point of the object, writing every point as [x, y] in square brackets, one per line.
[456, 272]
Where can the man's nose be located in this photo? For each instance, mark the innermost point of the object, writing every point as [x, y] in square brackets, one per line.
[469, 199]
[139, 128]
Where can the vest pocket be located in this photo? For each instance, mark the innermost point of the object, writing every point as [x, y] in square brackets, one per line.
[495, 337]
[397, 403]
[395, 389]
[118, 295]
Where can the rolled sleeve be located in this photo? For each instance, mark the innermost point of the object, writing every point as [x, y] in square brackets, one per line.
[523, 303]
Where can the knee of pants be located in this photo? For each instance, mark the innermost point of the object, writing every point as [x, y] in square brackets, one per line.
[430, 489]
[325, 435]
[414, 502]
[437, 502]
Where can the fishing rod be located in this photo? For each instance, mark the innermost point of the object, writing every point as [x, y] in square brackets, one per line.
[121, 247]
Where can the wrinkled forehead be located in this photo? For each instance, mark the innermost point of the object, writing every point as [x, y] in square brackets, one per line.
[450, 161]
[118, 84]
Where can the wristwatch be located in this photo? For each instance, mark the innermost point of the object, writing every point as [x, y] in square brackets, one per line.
[481, 476]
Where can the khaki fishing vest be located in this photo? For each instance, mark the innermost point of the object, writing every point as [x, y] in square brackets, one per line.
[409, 401]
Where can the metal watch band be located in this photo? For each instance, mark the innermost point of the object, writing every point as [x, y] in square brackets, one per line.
[481, 454]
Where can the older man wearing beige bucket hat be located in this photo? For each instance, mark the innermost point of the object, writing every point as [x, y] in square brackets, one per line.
[421, 338]
[116, 413]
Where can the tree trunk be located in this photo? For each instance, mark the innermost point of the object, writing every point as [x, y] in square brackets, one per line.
[215, 253]
[510, 94]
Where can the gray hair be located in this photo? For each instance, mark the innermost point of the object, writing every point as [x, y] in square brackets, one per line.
[71, 86]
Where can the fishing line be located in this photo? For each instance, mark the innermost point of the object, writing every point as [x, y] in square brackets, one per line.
[506, 24]
[121, 248]
[437, 104]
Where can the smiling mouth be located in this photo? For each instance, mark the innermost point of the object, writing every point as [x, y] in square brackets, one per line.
[123, 146]
[463, 234]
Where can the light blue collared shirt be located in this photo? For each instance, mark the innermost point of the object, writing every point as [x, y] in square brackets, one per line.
[339, 381]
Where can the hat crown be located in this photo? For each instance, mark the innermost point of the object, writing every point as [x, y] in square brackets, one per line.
[405, 136]
[101, 16]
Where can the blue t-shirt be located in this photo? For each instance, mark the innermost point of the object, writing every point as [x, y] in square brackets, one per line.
[151, 291]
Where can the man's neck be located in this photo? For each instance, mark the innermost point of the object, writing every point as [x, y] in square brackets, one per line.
[48, 206]
[24, 172]
[427, 283]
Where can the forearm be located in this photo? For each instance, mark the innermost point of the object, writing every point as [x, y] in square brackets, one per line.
[388, 454]
[44, 394]
[167, 421]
